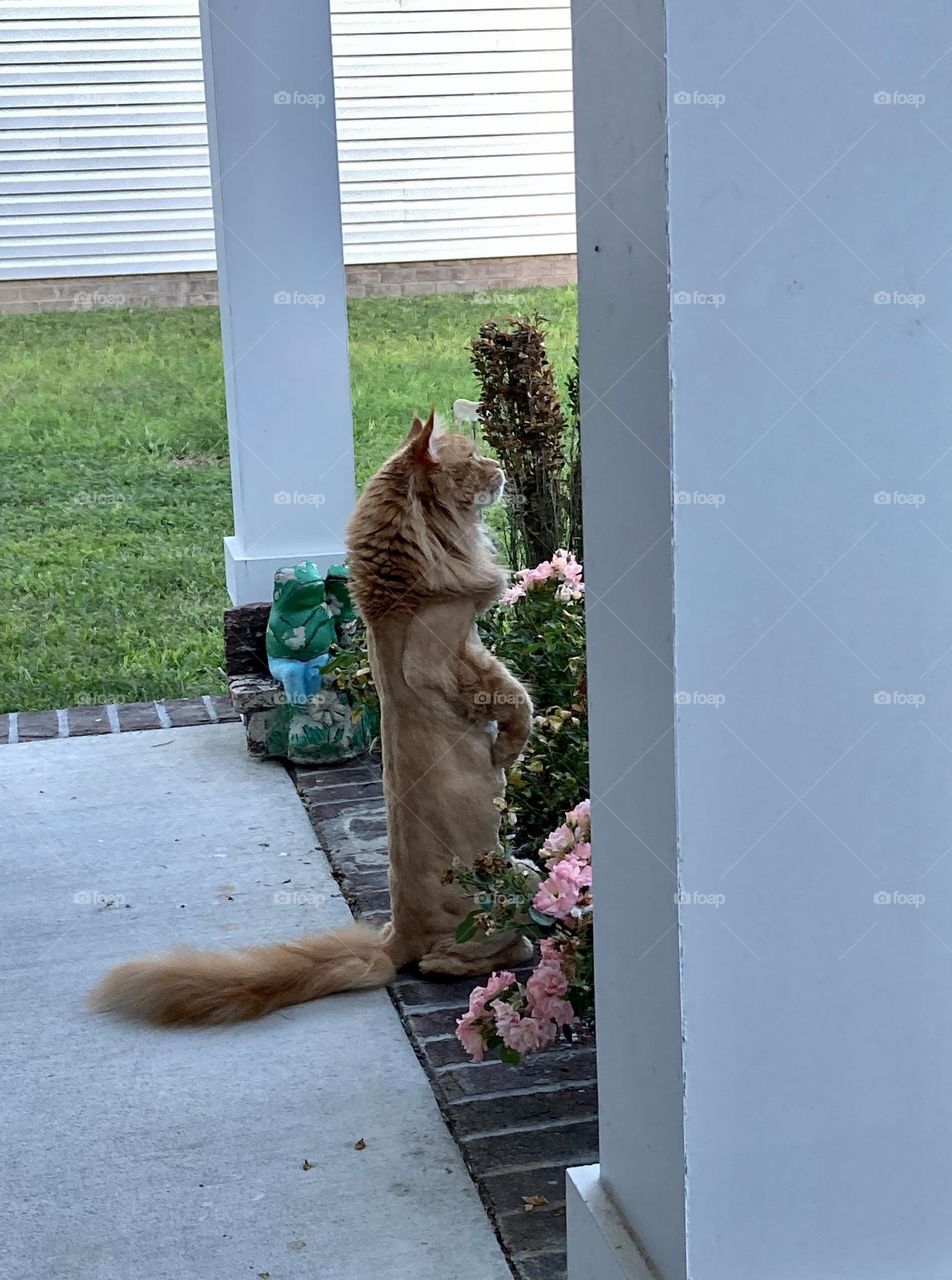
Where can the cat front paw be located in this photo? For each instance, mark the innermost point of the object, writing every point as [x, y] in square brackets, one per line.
[505, 752]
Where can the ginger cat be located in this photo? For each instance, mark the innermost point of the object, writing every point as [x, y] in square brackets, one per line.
[452, 720]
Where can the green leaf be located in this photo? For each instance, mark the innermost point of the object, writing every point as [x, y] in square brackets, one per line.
[466, 929]
[546, 921]
[509, 1056]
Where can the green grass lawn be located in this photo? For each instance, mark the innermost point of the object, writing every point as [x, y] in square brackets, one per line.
[114, 481]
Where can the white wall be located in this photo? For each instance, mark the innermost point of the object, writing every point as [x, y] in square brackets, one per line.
[454, 125]
[775, 1087]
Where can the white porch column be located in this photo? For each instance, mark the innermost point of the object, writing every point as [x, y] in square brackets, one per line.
[270, 101]
[768, 462]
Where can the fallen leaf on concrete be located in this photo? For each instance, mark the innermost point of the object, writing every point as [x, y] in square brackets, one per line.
[533, 1202]
[307, 1165]
[297, 1245]
[264, 1275]
[359, 1145]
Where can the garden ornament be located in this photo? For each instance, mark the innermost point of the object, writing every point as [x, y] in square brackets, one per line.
[315, 721]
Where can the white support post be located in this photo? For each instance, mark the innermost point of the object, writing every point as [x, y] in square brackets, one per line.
[766, 362]
[272, 136]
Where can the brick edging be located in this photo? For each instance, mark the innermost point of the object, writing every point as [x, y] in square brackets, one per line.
[518, 1128]
[115, 717]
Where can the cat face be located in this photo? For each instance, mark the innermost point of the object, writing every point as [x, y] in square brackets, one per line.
[453, 469]
[463, 476]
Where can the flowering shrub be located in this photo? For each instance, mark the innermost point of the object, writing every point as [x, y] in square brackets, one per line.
[538, 630]
[562, 569]
[555, 910]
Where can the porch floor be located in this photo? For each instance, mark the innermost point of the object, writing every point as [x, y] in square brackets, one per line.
[181, 1155]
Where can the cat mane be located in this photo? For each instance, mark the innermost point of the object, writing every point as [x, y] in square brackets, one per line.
[409, 542]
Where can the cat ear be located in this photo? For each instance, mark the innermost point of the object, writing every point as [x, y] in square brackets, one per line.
[419, 441]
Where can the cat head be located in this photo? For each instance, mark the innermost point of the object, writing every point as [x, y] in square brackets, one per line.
[417, 532]
[449, 468]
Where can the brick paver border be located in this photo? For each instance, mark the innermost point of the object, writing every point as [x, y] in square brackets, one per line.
[115, 717]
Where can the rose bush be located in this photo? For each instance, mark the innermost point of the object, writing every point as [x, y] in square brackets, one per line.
[552, 906]
[538, 630]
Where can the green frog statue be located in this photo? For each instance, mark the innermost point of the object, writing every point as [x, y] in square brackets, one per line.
[312, 618]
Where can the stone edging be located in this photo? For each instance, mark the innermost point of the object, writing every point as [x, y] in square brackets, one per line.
[121, 717]
[518, 1128]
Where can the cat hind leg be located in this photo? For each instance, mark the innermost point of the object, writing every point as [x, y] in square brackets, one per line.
[474, 959]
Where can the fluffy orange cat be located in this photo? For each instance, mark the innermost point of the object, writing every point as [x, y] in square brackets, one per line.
[452, 720]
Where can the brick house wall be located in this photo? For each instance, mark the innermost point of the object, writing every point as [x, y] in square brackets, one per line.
[364, 280]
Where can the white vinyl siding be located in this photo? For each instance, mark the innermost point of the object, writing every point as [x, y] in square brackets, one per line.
[454, 127]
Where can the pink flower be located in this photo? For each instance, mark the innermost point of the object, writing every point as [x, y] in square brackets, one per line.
[583, 851]
[573, 572]
[479, 997]
[552, 1009]
[470, 1037]
[530, 1034]
[562, 888]
[541, 573]
[581, 816]
[563, 568]
[556, 897]
[560, 841]
[584, 873]
[522, 1034]
[547, 980]
[572, 871]
[505, 1016]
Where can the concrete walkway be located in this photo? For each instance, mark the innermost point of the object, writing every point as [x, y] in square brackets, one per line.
[138, 1154]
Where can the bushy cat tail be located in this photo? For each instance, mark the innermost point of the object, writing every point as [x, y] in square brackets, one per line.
[189, 987]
